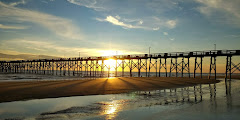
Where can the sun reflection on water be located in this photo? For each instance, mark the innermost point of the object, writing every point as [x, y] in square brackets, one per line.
[111, 109]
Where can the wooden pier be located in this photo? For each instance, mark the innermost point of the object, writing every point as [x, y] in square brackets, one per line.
[144, 64]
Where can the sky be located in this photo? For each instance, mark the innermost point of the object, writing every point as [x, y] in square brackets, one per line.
[104, 27]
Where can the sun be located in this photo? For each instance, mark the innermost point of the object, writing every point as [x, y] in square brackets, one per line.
[110, 63]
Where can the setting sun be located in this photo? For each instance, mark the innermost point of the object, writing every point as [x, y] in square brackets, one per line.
[110, 63]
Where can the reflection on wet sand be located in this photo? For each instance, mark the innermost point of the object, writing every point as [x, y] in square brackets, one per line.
[187, 95]
[228, 84]
[111, 110]
[200, 98]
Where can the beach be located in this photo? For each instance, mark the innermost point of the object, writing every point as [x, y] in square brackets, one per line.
[26, 90]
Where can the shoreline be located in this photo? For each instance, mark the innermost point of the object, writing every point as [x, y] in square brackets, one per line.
[27, 90]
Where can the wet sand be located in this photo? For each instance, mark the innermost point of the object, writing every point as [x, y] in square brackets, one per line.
[25, 90]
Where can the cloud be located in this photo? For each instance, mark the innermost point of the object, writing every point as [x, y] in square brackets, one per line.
[34, 46]
[128, 6]
[165, 33]
[24, 56]
[133, 15]
[149, 23]
[93, 4]
[115, 21]
[11, 27]
[17, 3]
[140, 22]
[168, 36]
[163, 22]
[118, 17]
[60, 26]
[227, 9]
[171, 23]
[161, 6]
[157, 28]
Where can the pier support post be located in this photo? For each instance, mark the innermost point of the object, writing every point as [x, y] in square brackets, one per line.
[1, 67]
[109, 67]
[152, 65]
[53, 67]
[116, 67]
[149, 66]
[64, 68]
[123, 66]
[57, 68]
[81, 68]
[102, 68]
[228, 68]
[156, 66]
[68, 67]
[143, 65]
[86, 69]
[97, 69]
[176, 67]
[91, 67]
[146, 66]
[212, 67]
[185, 66]
[171, 67]
[130, 67]
[139, 67]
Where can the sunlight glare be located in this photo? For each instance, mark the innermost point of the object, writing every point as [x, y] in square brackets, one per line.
[110, 63]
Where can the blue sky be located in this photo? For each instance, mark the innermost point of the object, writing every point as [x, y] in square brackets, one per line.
[102, 27]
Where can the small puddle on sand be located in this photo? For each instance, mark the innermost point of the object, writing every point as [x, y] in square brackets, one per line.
[198, 102]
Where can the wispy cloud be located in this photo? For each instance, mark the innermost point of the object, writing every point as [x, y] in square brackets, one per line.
[115, 21]
[12, 27]
[157, 6]
[128, 16]
[171, 23]
[161, 6]
[35, 45]
[17, 3]
[93, 4]
[150, 23]
[169, 37]
[60, 26]
[163, 22]
[229, 9]
[165, 33]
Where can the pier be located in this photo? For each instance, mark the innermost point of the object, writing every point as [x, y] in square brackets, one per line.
[170, 64]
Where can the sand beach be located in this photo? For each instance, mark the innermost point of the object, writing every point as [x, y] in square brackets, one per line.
[26, 90]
